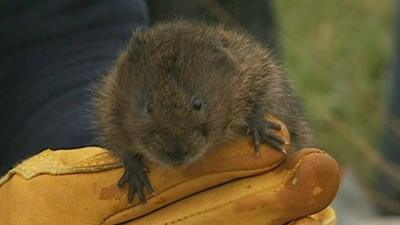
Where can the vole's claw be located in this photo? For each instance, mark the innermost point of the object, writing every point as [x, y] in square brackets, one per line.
[256, 141]
[272, 125]
[131, 194]
[274, 140]
[136, 177]
[139, 186]
[123, 179]
[148, 185]
[263, 131]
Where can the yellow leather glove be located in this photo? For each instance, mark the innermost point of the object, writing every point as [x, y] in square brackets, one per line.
[230, 185]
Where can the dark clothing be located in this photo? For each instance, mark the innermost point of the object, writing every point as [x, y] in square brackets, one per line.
[255, 16]
[50, 52]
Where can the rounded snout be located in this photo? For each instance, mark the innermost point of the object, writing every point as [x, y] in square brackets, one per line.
[178, 155]
[174, 147]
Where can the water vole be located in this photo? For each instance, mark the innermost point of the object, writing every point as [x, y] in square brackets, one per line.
[182, 88]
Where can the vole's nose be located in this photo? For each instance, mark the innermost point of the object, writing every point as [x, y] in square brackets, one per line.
[177, 154]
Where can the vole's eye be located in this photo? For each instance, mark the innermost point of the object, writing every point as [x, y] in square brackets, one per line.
[197, 103]
[149, 107]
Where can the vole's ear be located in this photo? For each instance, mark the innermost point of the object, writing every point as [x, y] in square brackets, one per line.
[135, 45]
[222, 57]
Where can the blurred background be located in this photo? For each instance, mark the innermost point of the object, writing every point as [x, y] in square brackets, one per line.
[341, 56]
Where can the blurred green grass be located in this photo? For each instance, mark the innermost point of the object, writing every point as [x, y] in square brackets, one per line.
[338, 55]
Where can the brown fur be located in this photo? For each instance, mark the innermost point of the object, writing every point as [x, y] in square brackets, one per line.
[236, 77]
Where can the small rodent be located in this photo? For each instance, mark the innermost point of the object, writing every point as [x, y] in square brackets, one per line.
[182, 88]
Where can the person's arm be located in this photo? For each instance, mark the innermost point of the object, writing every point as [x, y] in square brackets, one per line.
[50, 54]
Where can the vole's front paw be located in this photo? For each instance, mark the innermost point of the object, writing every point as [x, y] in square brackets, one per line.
[136, 177]
[264, 131]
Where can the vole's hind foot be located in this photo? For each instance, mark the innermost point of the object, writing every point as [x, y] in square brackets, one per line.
[263, 131]
[136, 177]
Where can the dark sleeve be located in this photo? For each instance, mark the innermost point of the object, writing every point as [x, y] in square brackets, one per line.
[255, 16]
[50, 52]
